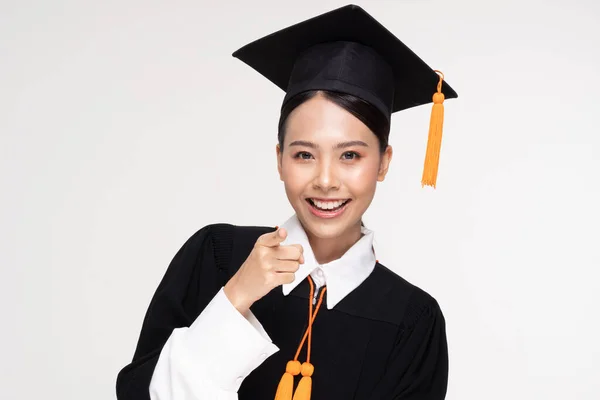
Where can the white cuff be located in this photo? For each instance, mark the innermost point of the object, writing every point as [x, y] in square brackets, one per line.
[227, 345]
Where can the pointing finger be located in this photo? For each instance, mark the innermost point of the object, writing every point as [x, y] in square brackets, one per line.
[272, 239]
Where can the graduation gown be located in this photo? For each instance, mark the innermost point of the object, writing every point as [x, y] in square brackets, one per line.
[385, 340]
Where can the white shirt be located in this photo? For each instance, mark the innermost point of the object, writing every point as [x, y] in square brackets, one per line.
[343, 275]
[210, 359]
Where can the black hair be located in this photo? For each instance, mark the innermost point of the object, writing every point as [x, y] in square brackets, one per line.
[374, 119]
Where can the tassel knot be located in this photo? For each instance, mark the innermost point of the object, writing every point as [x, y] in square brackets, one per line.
[293, 367]
[307, 369]
[438, 98]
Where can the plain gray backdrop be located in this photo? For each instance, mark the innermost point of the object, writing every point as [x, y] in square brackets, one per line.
[125, 126]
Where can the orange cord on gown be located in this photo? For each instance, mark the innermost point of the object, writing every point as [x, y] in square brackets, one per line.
[293, 368]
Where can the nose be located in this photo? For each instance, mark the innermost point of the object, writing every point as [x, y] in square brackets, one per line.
[326, 178]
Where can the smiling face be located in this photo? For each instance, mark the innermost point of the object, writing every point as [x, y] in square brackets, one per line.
[330, 165]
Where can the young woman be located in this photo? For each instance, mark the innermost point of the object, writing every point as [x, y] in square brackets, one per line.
[305, 310]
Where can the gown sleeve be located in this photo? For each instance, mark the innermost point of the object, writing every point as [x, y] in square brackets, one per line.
[418, 367]
[193, 344]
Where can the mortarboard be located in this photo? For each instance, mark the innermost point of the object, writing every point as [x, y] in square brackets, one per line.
[347, 50]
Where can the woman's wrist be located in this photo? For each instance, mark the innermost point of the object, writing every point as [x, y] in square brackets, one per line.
[236, 297]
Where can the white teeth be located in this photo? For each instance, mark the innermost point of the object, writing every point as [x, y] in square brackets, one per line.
[328, 205]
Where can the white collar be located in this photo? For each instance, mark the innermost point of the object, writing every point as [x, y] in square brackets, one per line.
[343, 275]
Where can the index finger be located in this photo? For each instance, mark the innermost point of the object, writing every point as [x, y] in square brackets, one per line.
[272, 239]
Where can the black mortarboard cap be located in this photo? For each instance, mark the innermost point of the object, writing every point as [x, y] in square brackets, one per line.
[346, 50]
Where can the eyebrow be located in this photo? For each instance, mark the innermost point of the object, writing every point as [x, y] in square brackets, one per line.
[341, 145]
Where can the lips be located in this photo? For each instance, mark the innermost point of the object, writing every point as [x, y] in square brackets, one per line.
[325, 208]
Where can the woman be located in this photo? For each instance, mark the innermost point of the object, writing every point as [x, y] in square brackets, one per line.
[305, 310]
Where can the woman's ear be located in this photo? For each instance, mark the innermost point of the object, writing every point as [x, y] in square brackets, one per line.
[279, 155]
[384, 165]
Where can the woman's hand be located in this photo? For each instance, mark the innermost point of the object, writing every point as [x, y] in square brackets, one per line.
[269, 265]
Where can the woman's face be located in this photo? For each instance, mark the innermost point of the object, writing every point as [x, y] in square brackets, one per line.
[330, 166]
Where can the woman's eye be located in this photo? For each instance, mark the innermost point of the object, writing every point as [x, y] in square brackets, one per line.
[303, 155]
[350, 155]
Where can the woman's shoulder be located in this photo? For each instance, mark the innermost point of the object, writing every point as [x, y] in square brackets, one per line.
[220, 231]
[401, 284]
[401, 301]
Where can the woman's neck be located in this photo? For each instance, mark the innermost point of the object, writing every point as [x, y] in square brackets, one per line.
[327, 250]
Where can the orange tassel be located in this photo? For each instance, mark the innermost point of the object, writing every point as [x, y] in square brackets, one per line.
[434, 142]
[304, 389]
[286, 385]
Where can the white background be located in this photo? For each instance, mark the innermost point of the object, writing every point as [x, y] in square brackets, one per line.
[125, 126]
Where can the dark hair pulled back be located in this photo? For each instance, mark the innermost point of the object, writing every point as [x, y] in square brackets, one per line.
[365, 112]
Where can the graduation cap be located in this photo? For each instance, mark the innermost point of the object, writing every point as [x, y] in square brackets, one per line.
[346, 50]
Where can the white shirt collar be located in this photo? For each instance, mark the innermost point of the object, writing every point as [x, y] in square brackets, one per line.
[343, 275]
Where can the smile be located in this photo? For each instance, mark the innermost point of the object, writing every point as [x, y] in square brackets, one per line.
[327, 208]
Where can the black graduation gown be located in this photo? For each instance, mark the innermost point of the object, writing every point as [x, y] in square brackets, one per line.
[386, 340]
